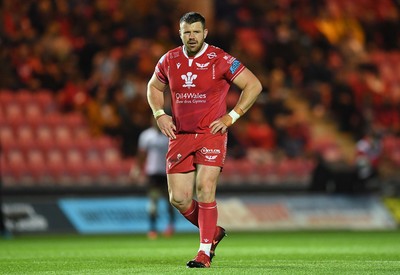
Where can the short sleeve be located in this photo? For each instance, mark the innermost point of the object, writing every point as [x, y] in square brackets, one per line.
[161, 69]
[232, 67]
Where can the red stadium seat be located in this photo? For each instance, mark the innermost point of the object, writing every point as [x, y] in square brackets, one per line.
[6, 134]
[44, 134]
[62, 133]
[12, 173]
[74, 157]
[6, 98]
[46, 101]
[13, 112]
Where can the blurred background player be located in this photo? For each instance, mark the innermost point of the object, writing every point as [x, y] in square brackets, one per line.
[152, 148]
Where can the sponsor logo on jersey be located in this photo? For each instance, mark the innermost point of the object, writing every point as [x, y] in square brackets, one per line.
[178, 65]
[229, 59]
[194, 98]
[213, 71]
[201, 66]
[235, 65]
[211, 55]
[190, 96]
[189, 77]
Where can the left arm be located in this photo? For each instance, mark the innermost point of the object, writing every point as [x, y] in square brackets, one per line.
[251, 87]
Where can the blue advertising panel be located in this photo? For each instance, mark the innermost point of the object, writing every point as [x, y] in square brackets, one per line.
[117, 215]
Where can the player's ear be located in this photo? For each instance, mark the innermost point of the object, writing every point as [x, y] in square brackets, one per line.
[205, 33]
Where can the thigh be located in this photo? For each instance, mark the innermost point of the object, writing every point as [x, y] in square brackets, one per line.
[206, 182]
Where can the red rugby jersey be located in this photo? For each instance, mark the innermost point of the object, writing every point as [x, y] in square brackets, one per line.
[198, 85]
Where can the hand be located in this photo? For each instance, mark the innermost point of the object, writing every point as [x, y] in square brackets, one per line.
[167, 126]
[221, 124]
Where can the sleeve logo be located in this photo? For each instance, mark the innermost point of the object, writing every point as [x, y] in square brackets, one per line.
[235, 65]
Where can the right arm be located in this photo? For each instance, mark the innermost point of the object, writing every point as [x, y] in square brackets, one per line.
[155, 97]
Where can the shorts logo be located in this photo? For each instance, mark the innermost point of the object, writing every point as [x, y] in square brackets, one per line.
[173, 161]
[206, 151]
[211, 158]
[210, 154]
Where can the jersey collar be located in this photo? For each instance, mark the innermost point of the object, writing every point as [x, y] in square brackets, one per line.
[205, 46]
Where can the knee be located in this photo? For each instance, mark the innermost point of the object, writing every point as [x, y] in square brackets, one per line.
[182, 204]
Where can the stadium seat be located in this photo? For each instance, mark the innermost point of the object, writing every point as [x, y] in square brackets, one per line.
[230, 175]
[34, 156]
[6, 134]
[74, 120]
[24, 131]
[62, 133]
[44, 135]
[54, 156]
[81, 134]
[60, 174]
[12, 173]
[79, 174]
[32, 111]
[111, 155]
[6, 98]
[74, 157]
[13, 111]
[46, 101]
[13, 156]
[268, 173]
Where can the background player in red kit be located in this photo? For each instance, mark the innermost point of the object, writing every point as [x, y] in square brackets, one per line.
[199, 76]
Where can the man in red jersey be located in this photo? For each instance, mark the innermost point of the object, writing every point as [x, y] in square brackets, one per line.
[199, 76]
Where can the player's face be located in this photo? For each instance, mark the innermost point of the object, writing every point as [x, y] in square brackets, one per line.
[192, 36]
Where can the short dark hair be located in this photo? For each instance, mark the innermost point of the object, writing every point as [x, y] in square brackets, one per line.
[193, 17]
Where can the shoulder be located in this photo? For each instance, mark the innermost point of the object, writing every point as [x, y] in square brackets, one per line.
[172, 54]
[220, 54]
[214, 52]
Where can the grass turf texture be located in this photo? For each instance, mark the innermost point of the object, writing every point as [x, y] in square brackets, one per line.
[343, 252]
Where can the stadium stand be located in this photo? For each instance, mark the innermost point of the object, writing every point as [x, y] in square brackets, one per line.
[73, 103]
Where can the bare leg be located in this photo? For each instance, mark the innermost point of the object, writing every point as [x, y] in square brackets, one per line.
[180, 189]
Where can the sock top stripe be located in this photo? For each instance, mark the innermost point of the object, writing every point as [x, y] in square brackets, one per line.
[209, 205]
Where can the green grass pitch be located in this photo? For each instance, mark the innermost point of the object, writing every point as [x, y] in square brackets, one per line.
[301, 252]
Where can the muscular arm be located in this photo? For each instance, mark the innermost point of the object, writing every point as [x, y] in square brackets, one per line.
[155, 93]
[251, 88]
[155, 97]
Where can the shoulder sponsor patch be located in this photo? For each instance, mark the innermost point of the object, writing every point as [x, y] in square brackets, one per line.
[235, 65]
